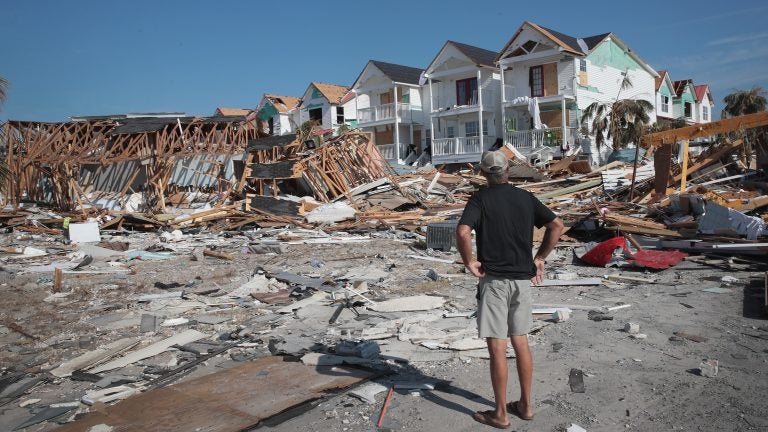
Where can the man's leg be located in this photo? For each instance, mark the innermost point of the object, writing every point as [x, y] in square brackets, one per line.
[497, 348]
[524, 362]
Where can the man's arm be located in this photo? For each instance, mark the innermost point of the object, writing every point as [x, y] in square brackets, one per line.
[551, 236]
[464, 244]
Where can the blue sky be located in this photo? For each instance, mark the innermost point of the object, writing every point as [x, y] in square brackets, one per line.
[80, 57]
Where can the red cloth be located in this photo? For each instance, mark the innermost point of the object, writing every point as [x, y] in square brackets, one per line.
[601, 255]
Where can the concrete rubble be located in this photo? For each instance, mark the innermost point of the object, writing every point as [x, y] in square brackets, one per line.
[120, 304]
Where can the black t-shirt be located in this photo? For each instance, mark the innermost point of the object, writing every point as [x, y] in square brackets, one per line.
[503, 218]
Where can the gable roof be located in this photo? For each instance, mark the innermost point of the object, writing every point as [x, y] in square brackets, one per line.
[399, 73]
[282, 104]
[660, 79]
[222, 111]
[480, 56]
[701, 91]
[332, 92]
[680, 85]
[564, 41]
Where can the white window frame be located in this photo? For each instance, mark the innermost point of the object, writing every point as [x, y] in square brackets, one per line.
[705, 112]
[664, 103]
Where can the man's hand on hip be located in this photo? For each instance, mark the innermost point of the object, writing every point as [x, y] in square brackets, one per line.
[476, 268]
[539, 277]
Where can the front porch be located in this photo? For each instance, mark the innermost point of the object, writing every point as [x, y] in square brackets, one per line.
[460, 149]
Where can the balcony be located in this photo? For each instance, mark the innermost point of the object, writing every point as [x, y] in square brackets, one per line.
[388, 151]
[446, 108]
[386, 113]
[459, 149]
[550, 137]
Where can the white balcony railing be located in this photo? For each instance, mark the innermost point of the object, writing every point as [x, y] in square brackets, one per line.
[386, 112]
[550, 137]
[473, 102]
[388, 151]
[460, 145]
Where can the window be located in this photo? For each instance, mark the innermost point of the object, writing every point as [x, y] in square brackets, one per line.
[582, 65]
[687, 110]
[466, 91]
[664, 103]
[316, 114]
[450, 132]
[339, 115]
[471, 129]
[705, 112]
[537, 81]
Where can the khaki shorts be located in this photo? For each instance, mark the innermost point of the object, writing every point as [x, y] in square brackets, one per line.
[503, 307]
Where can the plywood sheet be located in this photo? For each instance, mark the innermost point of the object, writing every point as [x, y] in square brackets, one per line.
[231, 400]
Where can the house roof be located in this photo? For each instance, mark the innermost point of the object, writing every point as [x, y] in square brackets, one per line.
[480, 56]
[566, 42]
[282, 104]
[660, 79]
[332, 92]
[399, 73]
[222, 111]
[701, 91]
[680, 85]
[573, 42]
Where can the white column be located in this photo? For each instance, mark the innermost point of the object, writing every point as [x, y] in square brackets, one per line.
[431, 119]
[503, 110]
[397, 128]
[480, 110]
[565, 126]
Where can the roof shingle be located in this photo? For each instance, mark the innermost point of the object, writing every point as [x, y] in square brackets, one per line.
[399, 73]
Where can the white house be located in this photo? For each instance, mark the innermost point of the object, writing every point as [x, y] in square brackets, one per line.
[548, 78]
[389, 105]
[665, 94]
[278, 114]
[464, 112]
[323, 103]
[704, 103]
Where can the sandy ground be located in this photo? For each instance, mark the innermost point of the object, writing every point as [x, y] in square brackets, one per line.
[636, 385]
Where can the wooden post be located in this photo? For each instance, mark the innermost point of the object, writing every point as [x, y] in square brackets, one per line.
[684, 172]
[58, 274]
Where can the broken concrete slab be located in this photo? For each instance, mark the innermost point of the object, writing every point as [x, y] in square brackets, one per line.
[367, 392]
[110, 394]
[90, 358]
[708, 368]
[408, 304]
[151, 350]
[315, 298]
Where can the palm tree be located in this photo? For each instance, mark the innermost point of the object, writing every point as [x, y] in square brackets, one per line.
[742, 102]
[623, 121]
[3, 90]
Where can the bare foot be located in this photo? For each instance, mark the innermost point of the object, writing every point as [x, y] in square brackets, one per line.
[518, 409]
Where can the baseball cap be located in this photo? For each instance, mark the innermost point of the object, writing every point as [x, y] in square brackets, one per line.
[493, 162]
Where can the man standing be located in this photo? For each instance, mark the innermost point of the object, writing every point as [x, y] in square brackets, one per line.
[503, 218]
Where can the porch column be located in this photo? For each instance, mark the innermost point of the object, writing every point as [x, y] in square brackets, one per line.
[480, 110]
[565, 128]
[503, 110]
[397, 128]
[431, 119]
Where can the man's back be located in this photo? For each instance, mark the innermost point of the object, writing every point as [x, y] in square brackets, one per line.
[503, 218]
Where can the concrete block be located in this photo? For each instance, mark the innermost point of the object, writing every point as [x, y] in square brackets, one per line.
[709, 368]
[561, 315]
[632, 328]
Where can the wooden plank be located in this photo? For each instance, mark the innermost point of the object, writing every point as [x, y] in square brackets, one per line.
[228, 401]
[670, 137]
[570, 189]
